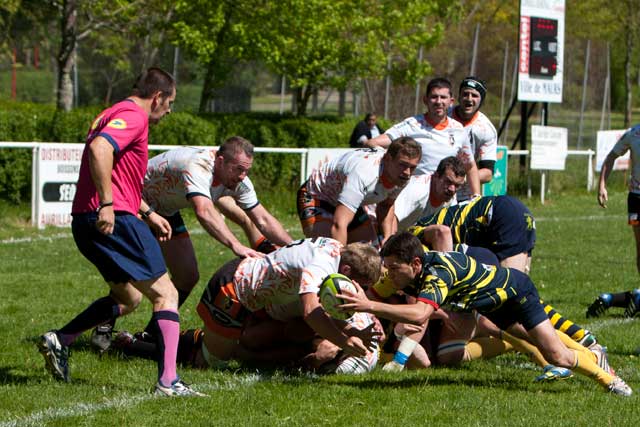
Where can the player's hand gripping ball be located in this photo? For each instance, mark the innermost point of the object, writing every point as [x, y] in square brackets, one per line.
[332, 285]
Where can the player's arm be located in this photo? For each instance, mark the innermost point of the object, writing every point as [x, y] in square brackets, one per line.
[388, 223]
[269, 225]
[321, 323]
[607, 167]
[382, 141]
[416, 314]
[473, 177]
[341, 219]
[101, 165]
[485, 170]
[156, 222]
[437, 237]
[214, 224]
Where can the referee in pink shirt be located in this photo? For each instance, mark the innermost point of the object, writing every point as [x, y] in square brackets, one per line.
[109, 233]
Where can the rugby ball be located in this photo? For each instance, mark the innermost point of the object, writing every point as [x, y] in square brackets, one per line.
[332, 285]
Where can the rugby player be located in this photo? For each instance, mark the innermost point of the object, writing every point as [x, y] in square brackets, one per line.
[505, 296]
[440, 136]
[108, 232]
[441, 189]
[334, 201]
[196, 178]
[630, 141]
[505, 226]
[483, 135]
[280, 289]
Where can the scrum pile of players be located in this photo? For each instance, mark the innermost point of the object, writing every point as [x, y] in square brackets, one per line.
[442, 272]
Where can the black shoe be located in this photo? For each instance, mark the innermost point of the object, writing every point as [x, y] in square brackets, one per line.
[101, 337]
[599, 306]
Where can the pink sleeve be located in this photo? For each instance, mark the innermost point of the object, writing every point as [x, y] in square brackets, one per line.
[124, 128]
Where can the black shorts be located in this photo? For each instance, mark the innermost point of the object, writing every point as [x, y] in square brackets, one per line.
[311, 210]
[523, 307]
[512, 229]
[177, 224]
[633, 208]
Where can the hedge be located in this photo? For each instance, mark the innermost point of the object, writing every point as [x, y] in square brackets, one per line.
[26, 122]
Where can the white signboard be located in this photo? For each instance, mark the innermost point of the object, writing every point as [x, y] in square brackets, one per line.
[606, 140]
[548, 147]
[317, 156]
[541, 50]
[57, 169]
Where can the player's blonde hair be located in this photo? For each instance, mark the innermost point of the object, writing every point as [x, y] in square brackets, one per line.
[364, 260]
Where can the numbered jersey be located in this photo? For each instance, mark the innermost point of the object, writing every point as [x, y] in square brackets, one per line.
[352, 179]
[275, 282]
[177, 175]
[631, 141]
[440, 141]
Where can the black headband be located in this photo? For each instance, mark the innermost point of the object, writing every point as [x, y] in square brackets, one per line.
[473, 83]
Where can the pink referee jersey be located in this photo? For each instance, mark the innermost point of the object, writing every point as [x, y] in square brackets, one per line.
[126, 126]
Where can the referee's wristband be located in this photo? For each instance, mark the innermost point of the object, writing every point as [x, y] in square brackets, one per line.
[103, 205]
[147, 213]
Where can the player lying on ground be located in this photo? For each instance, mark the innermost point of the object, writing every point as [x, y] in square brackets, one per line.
[266, 343]
[453, 344]
[505, 296]
[262, 309]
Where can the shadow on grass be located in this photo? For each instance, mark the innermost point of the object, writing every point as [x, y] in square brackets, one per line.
[8, 377]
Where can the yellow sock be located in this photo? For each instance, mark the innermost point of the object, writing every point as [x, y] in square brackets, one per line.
[584, 365]
[559, 322]
[526, 348]
[571, 344]
[485, 348]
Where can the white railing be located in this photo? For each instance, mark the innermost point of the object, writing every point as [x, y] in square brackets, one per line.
[590, 169]
[303, 152]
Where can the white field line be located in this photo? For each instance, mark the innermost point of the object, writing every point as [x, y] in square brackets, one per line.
[67, 235]
[123, 401]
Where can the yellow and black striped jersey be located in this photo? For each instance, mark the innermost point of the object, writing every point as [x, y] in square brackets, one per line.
[456, 279]
[384, 288]
[468, 221]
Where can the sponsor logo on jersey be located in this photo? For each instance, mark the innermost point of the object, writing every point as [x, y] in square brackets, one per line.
[117, 124]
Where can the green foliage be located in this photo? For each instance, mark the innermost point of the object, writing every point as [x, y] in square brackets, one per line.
[30, 122]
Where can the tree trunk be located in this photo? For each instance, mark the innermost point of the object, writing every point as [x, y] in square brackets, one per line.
[627, 80]
[302, 99]
[65, 56]
[208, 87]
[342, 102]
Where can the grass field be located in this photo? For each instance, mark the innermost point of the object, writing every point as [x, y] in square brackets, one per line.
[582, 250]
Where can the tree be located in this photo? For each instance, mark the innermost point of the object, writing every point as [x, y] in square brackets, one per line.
[319, 43]
[583, 21]
[212, 31]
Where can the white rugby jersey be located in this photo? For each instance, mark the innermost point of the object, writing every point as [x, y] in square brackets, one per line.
[352, 179]
[444, 140]
[414, 201]
[630, 140]
[275, 282]
[484, 143]
[174, 176]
